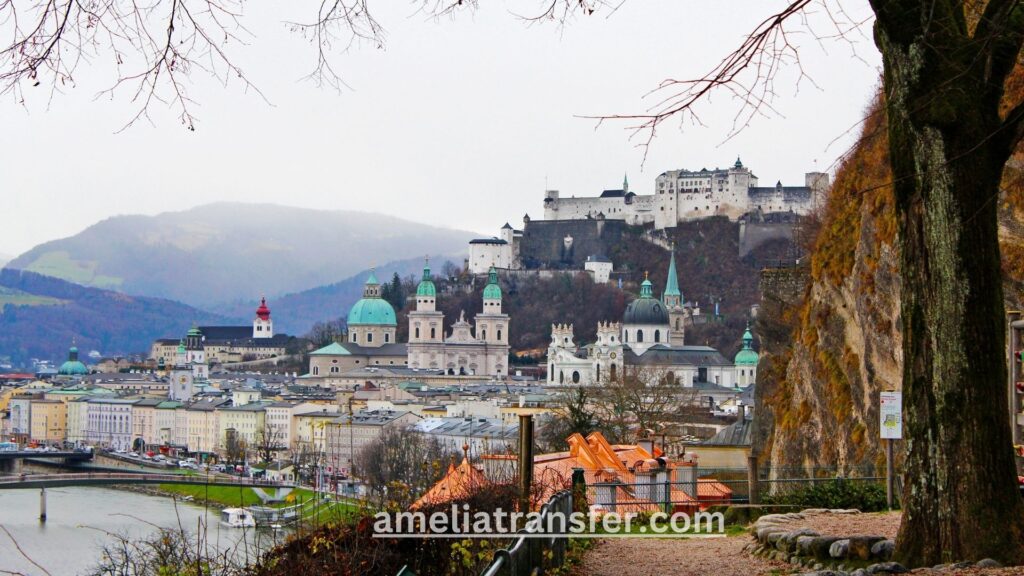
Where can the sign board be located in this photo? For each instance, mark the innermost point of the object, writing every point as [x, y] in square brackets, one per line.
[892, 415]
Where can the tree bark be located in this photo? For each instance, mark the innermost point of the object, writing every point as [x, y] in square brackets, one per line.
[960, 497]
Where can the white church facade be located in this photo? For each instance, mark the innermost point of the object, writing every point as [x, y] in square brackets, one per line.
[649, 342]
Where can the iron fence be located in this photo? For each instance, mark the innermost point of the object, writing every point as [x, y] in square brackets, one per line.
[531, 554]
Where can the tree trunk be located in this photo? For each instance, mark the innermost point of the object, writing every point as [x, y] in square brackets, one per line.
[960, 497]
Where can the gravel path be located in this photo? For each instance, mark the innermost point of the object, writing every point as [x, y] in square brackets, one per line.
[870, 524]
[676, 556]
[726, 557]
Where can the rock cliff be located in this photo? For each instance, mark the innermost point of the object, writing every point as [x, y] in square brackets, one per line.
[832, 336]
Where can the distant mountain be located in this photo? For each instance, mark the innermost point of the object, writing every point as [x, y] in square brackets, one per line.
[4, 259]
[41, 316]
[296, 313]
[222, 252]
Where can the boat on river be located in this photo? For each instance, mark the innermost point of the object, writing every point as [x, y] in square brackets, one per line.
[237, 518]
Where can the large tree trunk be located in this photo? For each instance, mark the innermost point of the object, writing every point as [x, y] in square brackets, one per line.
[960, 496]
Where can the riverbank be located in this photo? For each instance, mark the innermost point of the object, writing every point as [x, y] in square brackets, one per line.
[218, 497]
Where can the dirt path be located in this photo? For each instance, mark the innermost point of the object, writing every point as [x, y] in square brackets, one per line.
[679, 557]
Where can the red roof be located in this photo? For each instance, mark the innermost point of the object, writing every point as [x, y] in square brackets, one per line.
[263, 312]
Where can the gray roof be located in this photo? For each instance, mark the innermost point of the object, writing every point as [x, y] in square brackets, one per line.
[371, 417]
[492, 428]
[736, 434]
[597, 258]
[392, 349]
[661, 355]
[498, 241]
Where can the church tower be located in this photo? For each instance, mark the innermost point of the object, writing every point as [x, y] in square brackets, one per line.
[195, 353]
[263, 326]
[674, 303]
[492, 327]
[426, 326]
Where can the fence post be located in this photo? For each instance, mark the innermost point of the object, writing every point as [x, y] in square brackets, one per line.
[668, 493]
[753, 488]
[525, 461]
[579, 491]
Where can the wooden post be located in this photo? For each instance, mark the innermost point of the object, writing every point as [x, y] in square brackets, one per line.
[525, 460]
[753, 487]
[42, 504]
[889, 476]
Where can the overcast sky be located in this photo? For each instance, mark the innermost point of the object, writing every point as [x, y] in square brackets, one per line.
[458, 123]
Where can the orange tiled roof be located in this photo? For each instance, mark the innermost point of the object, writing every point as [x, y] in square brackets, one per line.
[457, 483]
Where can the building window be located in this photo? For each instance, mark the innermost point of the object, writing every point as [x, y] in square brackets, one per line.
[316, 370]
[433, 331]
[369, 337]
[387, 337]
[575, 377]
[657, 336]
[499, 335]
[640, 336]
[417, 332]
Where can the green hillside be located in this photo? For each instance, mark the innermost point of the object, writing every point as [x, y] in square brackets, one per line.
[40, 316]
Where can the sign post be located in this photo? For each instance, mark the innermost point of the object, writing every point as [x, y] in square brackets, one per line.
[891, 424]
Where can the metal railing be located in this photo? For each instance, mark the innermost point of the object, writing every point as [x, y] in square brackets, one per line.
[529, 552]
[135, 477]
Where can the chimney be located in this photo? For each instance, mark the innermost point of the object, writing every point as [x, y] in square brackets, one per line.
[686, 478]
[742, 411]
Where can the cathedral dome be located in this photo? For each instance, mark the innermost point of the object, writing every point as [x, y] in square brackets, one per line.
[646, 309]
[371, 309]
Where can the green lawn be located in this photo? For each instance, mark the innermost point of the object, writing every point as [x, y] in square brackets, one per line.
[240, 496]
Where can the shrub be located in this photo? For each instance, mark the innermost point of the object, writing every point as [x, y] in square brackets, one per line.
[838, 493]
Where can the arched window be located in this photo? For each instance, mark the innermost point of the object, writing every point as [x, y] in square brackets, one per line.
[639, 336]
[432, 333]
[499, 335]
[679, 322]
[417, 332]
[561, 377]
[614, 373]
[575, 377]
[657, 336]
[598, 373]
[355, 337]
[483, 334]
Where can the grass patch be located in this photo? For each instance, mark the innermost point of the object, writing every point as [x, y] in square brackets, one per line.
[18, 298]
[242, 496]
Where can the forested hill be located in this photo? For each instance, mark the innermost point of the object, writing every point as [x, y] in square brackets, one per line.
[40, 316]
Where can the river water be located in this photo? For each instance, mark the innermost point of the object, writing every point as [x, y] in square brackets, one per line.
[80, 520]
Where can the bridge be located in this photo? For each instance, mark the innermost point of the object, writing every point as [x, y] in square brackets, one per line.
[78, 455]
[25, 481]
[265, 490]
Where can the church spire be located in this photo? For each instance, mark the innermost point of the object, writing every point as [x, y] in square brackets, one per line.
[625, 182]
[672, 281]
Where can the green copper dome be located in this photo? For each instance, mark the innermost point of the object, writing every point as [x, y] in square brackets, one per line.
[194, 331]
[371, 309]
[73, 367]
[426, 287]
[747, 356]
[492, 291]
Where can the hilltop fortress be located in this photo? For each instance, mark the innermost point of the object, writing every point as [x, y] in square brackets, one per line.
[682, 195]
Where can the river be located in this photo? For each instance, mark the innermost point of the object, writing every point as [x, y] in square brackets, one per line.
[80, 520]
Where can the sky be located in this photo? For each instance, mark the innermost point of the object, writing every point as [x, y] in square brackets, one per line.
[458, 122]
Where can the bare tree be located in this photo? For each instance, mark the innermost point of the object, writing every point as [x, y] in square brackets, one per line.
[401, 465]
[641, 398]
[574, 414]
[269, 442]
